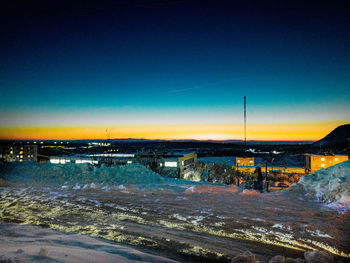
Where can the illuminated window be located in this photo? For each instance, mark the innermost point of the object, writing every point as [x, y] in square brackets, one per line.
[11, 152]
[336, 159]
[21, 148]
[21, 160]
[250, 161]
[322, 159]
[238, 161]
[28, 156]
[21, 156]
[170, 164]
[322, 165]
[21, 152]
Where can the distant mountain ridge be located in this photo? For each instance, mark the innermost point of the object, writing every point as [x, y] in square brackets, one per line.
[339, 136]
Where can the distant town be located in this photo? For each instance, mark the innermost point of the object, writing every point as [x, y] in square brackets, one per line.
[222, 162]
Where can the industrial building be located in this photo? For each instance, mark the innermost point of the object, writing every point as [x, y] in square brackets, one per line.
[180, 166]
[245, 165]
[95, 159]
[244, 161]
[19, 153]
[314, 162]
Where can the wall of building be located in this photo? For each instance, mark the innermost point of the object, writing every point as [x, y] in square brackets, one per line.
[250, 169]
[244, 161]
[19, 153]
[187, 162]
[317, 162]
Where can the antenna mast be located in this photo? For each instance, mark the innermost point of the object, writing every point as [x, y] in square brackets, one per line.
[245, 122]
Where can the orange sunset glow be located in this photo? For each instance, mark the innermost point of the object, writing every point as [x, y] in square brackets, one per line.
[273, 131]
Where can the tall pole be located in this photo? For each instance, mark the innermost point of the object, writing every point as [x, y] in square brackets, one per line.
[245, 122]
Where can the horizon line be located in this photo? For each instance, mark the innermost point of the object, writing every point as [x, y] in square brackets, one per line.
[200, 140]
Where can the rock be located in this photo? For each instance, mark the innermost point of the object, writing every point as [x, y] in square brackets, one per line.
[43, 252]
[246, 257]
[278, 259]
[318, 257]
[295, 260]
[9, 260]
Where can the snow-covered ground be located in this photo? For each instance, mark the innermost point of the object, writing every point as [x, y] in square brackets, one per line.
[26, 243]
[184, 220]
[330, 186]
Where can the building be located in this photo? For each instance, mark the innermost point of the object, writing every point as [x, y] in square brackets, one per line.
[179, 166]
[19, 153]
[314, 162]
[95, 159]
[73, 160]
[244, 161]
[245, 165]
[187, 163]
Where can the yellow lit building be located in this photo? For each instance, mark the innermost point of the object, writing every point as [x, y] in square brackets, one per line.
[186, 162]
[19, 153]
[180, 165]
[244, 161]
[251, 169]
[317, 162]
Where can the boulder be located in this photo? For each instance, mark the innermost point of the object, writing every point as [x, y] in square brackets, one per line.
[43, 252]
[278, 259]
[295, 260]
[318, 257]
[8, 260]
[246, 257]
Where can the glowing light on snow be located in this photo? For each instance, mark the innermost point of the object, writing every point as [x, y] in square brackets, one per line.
[86, 161]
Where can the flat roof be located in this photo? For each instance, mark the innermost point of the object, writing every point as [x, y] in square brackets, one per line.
[326, 155]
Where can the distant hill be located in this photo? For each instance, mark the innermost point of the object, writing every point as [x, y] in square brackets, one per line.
[339, 136]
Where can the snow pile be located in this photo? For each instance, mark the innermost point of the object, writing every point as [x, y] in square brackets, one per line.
[74, 175]
[212, 189]
[331, 185]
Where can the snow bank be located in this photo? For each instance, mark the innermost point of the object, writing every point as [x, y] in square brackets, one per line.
[75, 175]
[86, 176]
[331, 185]
[211, 189]
[249, 192]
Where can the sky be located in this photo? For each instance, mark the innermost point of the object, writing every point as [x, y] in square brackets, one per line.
[174, 69]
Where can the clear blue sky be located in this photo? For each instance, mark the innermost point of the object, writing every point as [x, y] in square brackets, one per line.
[138, 58]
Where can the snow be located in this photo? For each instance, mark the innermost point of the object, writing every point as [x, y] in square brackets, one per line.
[85, 176]
[25, 243]
[141, 208]
[330, 186]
